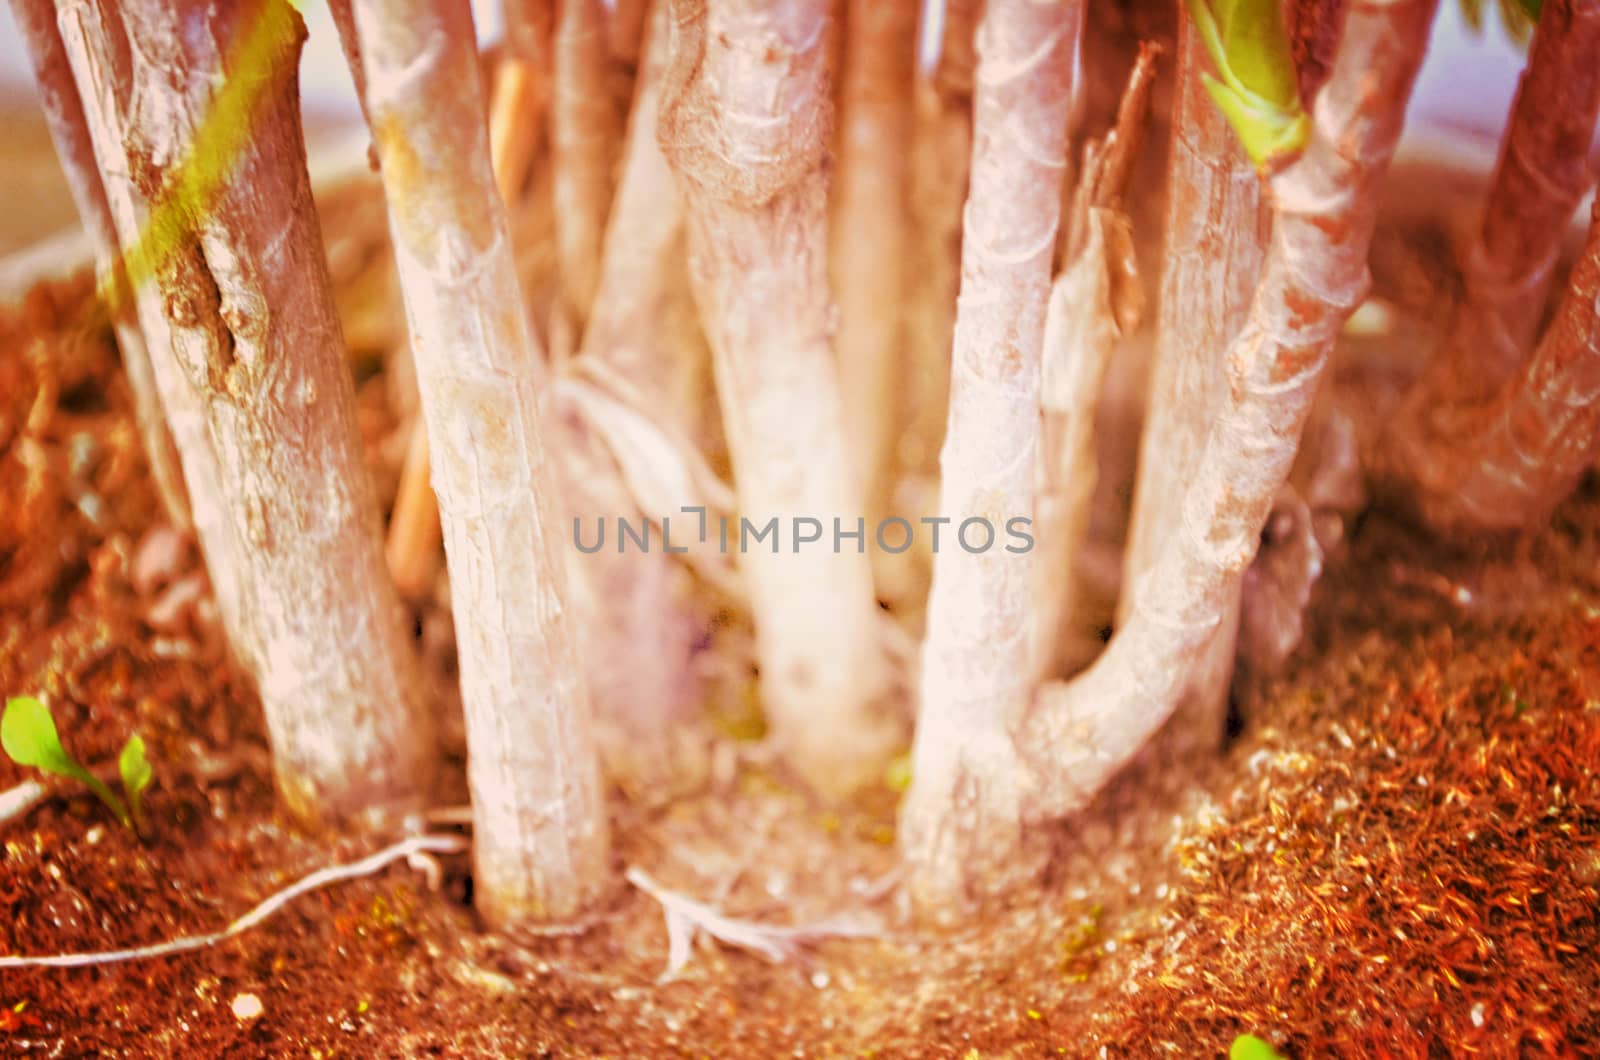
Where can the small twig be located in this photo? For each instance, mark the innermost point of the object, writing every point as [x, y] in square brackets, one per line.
[406, 848]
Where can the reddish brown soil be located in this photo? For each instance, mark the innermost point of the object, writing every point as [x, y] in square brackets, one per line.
[1398, 856]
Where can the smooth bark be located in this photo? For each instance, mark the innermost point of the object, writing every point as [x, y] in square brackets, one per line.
[977, 661]
[540, 839]
[253, 330]
[745, 121]
[870, 235]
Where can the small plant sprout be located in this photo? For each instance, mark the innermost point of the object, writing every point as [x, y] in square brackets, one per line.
[1249, 1047]
[1257, 89]
[28, 735]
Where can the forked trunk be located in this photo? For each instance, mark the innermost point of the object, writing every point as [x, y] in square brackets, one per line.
[967, 817]
[237, 257]
[540, 842]
[1217, 227]
[745, 117]
[977, 661]
[69, 130]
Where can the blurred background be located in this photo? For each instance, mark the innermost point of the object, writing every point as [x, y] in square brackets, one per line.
[1465, 92]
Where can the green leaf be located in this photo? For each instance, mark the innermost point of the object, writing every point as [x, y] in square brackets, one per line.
[1249, 1047]
[28, 736]
[1256, 88]
[136, 774]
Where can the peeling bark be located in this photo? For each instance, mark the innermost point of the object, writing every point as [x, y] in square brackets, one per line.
[1217, 227]
[976, 658]
[968, 820]
[253, 329]
[540, 847]
[1542, 175]
[1525, 449]
[584, 130]
[870, 233]
[69, 131]
[745, 116]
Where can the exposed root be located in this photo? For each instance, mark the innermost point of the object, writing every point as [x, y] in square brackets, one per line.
[687, 918]
[407, 850]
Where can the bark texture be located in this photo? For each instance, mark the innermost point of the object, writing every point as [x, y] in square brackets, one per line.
[584, 130]
[1217, 227]
[97, 50]
[69, 131]
[745, 117]
[1525, 449]
[1325, 206]
[1048, 760]
[1542, 175]
[1095, 302]
[967, 792]
[253, 330]
[540, 846]
[870, 234]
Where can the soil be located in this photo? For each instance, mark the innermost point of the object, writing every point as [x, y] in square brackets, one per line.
[1398, 854]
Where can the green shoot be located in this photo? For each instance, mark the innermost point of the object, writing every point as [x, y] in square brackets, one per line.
[29, 738]
[136, 774]
[1249, 1047]
[1256, 89]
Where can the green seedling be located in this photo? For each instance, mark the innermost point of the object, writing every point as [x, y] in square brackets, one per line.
[1249, 1047]
[28, 736]
[1256, 86]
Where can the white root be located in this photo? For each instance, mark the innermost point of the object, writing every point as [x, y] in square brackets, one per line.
[16, 802]
[686, 918]
[542, 847]
[405, 850]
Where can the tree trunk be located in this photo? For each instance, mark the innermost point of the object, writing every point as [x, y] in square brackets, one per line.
[584, 127]
[69, 130]
[636, 602]
[97, 51]
[1542, 174]
[976, 659]
[745, 116]
[1076, 735]
[1523, 451]
[1314, 276]
[942, 148]
[253, 328]
[1217, 228]
[870, 234]
[540, 846]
